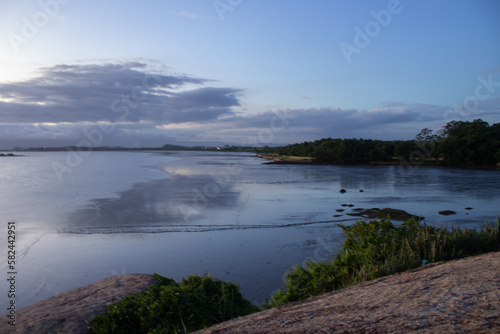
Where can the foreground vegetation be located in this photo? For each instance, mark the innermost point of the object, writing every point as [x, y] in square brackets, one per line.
[371, 249]
[170, 307]
[378, 248]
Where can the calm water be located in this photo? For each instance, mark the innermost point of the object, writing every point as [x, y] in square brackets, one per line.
[182, 213]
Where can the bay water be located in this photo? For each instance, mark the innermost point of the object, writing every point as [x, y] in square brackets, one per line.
[231, 215]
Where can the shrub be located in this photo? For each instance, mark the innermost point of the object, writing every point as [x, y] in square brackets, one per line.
[170, 307]
[377, 248]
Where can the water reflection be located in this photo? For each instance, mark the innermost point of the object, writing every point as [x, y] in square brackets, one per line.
[214, 191]
[181, 199]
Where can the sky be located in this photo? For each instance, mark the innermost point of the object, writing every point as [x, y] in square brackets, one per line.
[242, 72]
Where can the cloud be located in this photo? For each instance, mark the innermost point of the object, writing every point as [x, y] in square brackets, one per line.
[113, 92]
[189, 15]
[144, 107]
[304, 97]
[271, 128]
[335, 120]
[487, 109]
[393, 120]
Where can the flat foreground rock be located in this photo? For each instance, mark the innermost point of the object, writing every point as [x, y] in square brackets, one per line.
[461, 296]
[69, 311]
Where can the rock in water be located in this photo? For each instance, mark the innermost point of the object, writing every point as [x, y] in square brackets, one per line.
[447, 212]
[396, 214]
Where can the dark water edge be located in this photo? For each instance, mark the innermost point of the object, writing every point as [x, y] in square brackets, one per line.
[382, 163]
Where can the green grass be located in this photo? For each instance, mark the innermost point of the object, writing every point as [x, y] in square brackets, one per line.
[170, 307]
[378, 248]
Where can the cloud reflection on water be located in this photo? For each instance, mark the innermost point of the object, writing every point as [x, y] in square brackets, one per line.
[162, 202]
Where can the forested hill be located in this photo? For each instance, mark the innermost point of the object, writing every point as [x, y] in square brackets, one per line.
[457, 143]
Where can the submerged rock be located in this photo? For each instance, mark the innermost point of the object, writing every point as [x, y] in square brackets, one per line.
[447, 212]
[368, 213]
[396, 214]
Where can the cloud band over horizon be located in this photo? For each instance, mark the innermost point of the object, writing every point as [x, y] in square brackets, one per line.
[150, 108]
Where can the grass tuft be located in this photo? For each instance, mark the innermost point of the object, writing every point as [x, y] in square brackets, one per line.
[378, 248]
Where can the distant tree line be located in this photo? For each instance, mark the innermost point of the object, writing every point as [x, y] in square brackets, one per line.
[166, 147]
[457, 143]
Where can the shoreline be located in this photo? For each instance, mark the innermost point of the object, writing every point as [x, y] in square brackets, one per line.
[10, 155]
[296, 160]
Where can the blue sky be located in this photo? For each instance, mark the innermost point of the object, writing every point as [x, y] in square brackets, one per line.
[223, 72]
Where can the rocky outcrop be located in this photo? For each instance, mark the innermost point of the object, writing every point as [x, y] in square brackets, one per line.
[459, 296]
[69, 311]
[394, 214]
